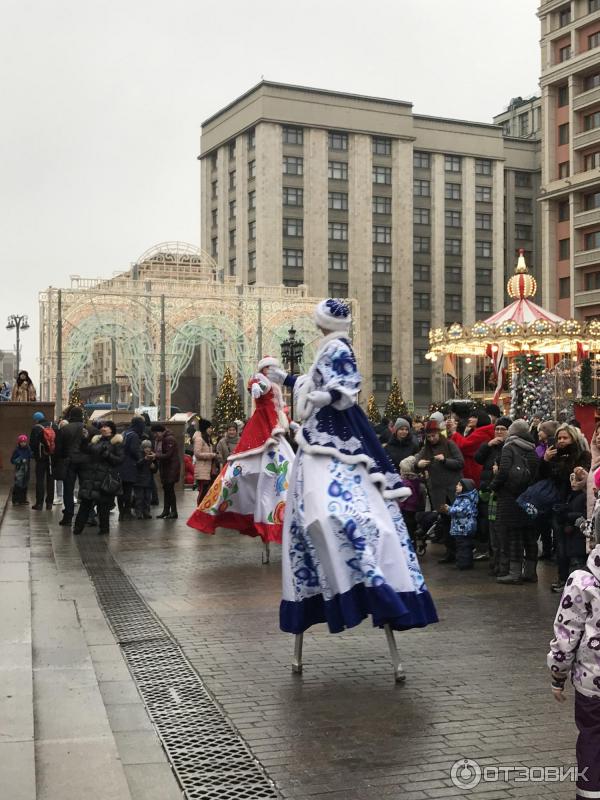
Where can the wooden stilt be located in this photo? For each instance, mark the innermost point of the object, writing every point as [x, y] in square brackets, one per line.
[399, 674]
[266, 555]
[297, 660]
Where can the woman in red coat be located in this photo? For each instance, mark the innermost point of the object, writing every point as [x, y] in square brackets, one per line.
[478, 431]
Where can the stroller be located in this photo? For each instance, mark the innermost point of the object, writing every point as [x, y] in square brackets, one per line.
[429, 529]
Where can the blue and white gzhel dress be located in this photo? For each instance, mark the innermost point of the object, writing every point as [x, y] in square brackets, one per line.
[346, 551]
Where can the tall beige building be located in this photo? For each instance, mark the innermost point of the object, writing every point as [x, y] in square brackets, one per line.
[419, 218]
[570, 193]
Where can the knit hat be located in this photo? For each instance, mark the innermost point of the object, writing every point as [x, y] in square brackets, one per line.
[146, 444]
[333, 315]
[408, 465]
[401, 423]
[467, 484]
[549, 427]
[22, 439]
[138, 424]
[597, 478]
[503, 422]
[38, 416]
[519, 428]
[268, 361]
[431, 426]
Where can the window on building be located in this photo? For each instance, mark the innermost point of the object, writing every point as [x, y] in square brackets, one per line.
[483, 166]
[483, 304]
[232, 149]
[382, 264]
[213, 161]
[421, 328]
[338, 289]
[591, 241]
[338, 141]
[293, 165]
[231, 267]
[338, 201]
[563, 169]
[214, 217]
[382, 205]
[483, 222]
[251, 138]
[214, 251]
[593, 5]
[453, 302]
[293, 257]
[422, 272]
[453, 247]
[523, 232]
[564, 210]
[290, 135]
[292, 196]
[382, 383]
[452, 219]
[564, 16]
[338, 262]
[563, 96]
[382, 323]
[382, 234]
[564, 54]
[422, 385]
[591, 81]
[593, 40]
[421, 244]
[338, 231]
[252, 260]
[453, 274]
[591, 200]
[591, 121]
[452, 163]
[452, 191]
[419, 359]
[483, 249]
[382, 174]
[293, 282]
[213, 189]
[564, 249]
[563, 133]
[252, 200]
[338, 170]
[252, 169]
[483, 194]
[524, 124]
[232, 209]
[421, 216]
[506, 127]
[422, 301]
[232, 238]
[293, 226]
[592, 161]
[591, 282]
[252, 229]
[232, 179]
[382, 352]
[523, 205]
[523, 179]
[382, 294]
[421, 160]
[421, 188]
[483, 276]
[382, 146]
[564, 288]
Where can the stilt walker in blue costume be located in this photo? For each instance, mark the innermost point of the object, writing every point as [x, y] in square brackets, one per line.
[346, 551]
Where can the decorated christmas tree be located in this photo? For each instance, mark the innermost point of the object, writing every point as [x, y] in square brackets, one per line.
[395, 406]
[75, 396]
[228, 405]
[372, 411]
[532, 388]
[585, 378]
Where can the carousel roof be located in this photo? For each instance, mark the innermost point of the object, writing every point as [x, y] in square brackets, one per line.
[520, 326]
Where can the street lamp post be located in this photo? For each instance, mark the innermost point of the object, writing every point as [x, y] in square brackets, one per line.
[18, 323]
[292, 350]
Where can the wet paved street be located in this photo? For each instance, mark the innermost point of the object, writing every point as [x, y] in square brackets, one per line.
[477, 685]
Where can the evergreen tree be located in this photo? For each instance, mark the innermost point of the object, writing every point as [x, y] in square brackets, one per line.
[372, 411]
[228, 405]
[585, 378]
[395, 406]
[75, 396]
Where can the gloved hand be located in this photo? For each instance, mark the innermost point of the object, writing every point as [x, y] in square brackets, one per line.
[276, 374]
[318, 398]
[255, 391]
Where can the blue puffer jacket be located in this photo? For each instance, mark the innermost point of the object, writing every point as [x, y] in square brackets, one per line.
[463, 511]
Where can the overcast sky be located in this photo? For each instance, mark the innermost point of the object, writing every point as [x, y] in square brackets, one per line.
[102, 101]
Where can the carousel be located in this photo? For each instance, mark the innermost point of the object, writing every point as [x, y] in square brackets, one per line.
[529, 354]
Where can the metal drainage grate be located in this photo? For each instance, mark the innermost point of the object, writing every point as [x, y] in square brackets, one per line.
[209, 757]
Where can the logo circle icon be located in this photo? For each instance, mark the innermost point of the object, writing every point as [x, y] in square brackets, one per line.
[465, 774]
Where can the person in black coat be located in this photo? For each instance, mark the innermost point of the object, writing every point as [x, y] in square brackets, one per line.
[102, 455]
[402, 444]
[132, 454]
[146, 467]
[382, 429]
[488, 455]
[68, 451]
[517, 470]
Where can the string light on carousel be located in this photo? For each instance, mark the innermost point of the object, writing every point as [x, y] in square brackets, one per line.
[537, 349]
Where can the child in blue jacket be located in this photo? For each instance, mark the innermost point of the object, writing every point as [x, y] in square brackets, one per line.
[21, 458]
[463, 521]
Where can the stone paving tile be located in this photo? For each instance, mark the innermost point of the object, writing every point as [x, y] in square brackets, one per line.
[477, 685]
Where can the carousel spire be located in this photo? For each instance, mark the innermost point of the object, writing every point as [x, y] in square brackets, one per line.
[521, 285]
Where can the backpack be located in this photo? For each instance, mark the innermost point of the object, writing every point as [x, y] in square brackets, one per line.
[48, 441]
[519, 475]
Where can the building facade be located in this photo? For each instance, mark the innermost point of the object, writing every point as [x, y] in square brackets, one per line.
[419, 218]
[570, 192]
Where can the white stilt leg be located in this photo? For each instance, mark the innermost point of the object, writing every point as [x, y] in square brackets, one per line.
[399, 674]
[297, 660]
[266, 556]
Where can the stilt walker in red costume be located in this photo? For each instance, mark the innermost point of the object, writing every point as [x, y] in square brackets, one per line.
[250, 493]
